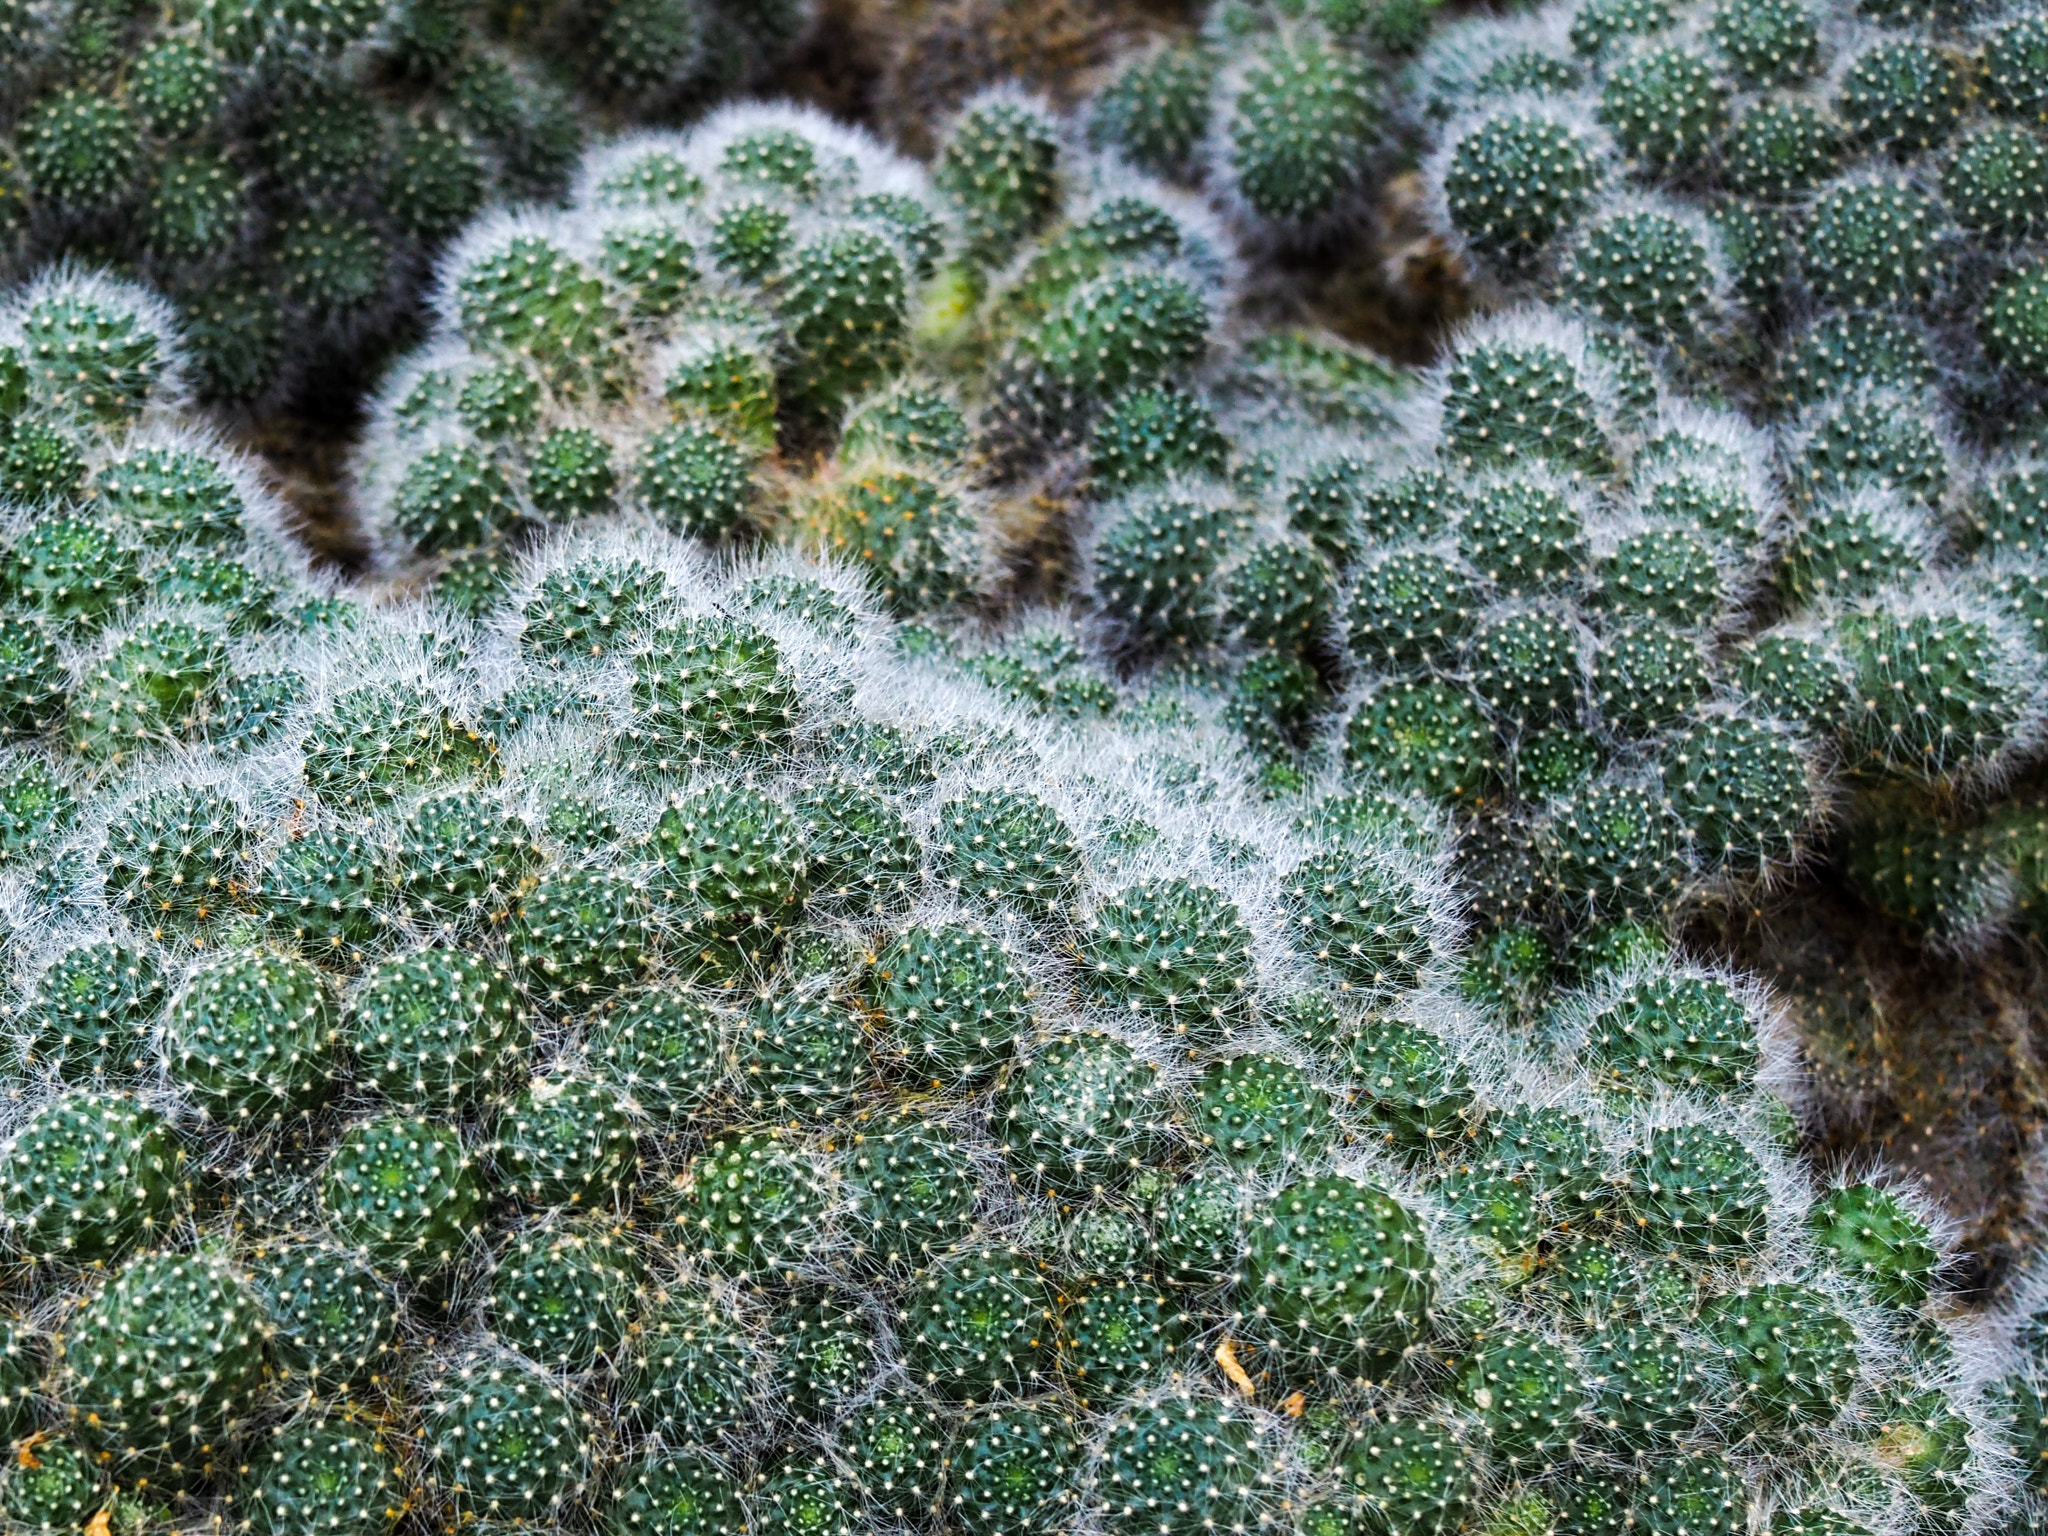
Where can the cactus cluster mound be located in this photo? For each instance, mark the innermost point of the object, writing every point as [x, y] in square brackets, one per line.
[680, 1012]
[1834, 220]
[1145, 1148]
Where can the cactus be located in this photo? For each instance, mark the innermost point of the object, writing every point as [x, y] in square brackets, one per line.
[736, 872]
[661, 1048]
[563, 1296]
[1175, 954]
[1300, 126]
[674, 1495]
[1698, 1192]
[1083, 1114]
[55, 1487]
[1514, 181]
[999, 164]
[565, 1141]
[1154, 434]
[336, 1327]
[163, 1364]
[501, 1440]
[1878, 1240]
[404, 1190]
[1791, 1356]
[253, 1038]
[1155, 110]
[978, 1326]
[332, 1473]
[582, 933]
[170, 857]
[753, 1203]
[1343, 1279]
[88, 1015]
[90, 1176]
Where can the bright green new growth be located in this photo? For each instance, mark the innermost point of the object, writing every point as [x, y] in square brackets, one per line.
[1876, 1238]
[55, 1486]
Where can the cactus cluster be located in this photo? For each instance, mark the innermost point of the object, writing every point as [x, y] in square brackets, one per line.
[686, 1010]
[286, 175]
